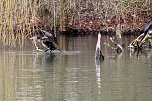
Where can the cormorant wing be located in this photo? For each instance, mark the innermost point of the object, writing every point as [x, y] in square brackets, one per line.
[50, 38]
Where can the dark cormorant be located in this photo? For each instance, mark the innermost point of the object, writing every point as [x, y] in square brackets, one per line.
[147, 29]
[48, 40]
[98, 53]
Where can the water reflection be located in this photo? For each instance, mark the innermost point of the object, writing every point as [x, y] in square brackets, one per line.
[98, 73]
[23, 74]
[75, 75]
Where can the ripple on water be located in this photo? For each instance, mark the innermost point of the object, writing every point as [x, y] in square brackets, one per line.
[40, 53]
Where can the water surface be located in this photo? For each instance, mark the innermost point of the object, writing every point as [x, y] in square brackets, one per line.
[73, 75]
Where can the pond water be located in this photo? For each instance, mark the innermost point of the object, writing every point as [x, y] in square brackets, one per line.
[73, 75]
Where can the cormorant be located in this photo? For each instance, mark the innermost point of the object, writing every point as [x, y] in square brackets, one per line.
[48, 40]
[147, 29]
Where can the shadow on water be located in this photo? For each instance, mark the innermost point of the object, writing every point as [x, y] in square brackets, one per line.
[49, 59]
[74, 75]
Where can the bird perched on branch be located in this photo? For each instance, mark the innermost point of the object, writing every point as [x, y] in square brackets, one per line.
[48, 40]
[98, 53]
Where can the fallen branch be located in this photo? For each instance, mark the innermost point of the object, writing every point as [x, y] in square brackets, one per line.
[139, 41]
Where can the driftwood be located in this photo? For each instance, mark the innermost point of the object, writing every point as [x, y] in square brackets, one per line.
[140, 41]
[118, 48]
[116, 42]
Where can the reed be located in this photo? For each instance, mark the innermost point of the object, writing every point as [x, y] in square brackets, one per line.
[19, 17]
[16, 20]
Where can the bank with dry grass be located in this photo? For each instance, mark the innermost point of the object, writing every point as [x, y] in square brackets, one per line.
[20, 17]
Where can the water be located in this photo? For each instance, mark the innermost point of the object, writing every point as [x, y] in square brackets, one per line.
[73, 75]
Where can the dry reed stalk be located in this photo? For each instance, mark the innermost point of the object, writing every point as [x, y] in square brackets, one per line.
[18, 17]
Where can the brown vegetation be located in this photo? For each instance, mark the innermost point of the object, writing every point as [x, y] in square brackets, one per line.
[19, 17]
